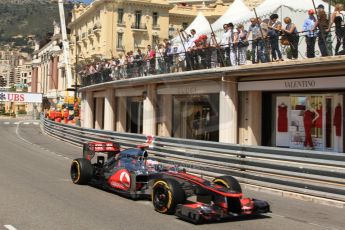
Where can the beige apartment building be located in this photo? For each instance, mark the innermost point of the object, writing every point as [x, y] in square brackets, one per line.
[105, 29]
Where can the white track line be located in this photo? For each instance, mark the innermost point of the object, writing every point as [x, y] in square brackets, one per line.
[10, 227]
[6, 123]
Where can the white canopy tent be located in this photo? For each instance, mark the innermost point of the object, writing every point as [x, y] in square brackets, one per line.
[199, 22]
[235, 11]
[297, 10]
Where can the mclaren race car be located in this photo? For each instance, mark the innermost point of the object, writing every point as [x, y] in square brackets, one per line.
[171, 189]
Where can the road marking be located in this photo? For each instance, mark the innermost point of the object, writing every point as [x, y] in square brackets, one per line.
[36, 123]
[16, 123]
[6, 123]
[10, 227]
[296, 219]
[26, 123]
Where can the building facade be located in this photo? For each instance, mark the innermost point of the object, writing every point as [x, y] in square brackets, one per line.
[268, 104]
[48, 74]
[106, 29]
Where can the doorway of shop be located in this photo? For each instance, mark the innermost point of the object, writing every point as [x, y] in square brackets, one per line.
[134, 115]
[196, 117]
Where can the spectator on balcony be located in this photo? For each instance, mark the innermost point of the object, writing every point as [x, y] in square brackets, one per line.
[322, 24]
[139, 62]
[201, 50]
[92, 69]
[242, 44]
[160, 58]
[258, 30]
[338, 19]
[233, 42]
[292, 35]
[150, 59]
[168, 57]
[180, 59]
[214, 53]
[129, 62]
[195, 60]
[274, 29]
[224, 46]
[310, 33]
[122, 66]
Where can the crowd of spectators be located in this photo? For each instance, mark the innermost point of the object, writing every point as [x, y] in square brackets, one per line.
[232, 48]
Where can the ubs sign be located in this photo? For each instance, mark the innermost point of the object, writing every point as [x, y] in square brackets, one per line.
[20, 97]
[297, 84]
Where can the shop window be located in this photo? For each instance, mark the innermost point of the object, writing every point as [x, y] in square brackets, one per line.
[196, 117]
[304, 122]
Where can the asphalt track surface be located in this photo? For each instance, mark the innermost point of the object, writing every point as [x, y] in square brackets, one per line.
[36, 193]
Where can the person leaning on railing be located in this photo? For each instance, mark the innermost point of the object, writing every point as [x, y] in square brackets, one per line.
[274, 29]
[337, 18]
[292, 36]
[233, 42]
[242, 44]
[258, 43]
[310, 33]
[322, 24]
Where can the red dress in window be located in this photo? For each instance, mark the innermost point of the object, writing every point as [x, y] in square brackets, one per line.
[337, 121]
[318, 122]
[282, 118]
[308, 124]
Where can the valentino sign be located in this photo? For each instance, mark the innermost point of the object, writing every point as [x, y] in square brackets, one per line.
[300, 84]
[294, 84]
[20, 97]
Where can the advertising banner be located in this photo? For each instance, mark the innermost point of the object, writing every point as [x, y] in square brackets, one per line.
[20, 97]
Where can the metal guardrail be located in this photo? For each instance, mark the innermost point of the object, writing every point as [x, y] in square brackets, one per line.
[312, 173]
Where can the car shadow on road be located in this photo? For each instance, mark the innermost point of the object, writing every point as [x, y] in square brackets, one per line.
[232, 219]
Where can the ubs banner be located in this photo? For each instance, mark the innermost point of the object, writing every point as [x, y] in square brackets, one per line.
[20, 97]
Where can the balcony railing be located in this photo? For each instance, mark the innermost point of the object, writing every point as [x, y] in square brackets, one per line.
[137, 26]
[121, 24]
[156, 27]
[208, 57]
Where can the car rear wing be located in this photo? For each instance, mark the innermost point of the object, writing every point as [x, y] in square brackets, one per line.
[90, 148]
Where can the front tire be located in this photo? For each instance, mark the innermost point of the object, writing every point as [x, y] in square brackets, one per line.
[81, 171]
[166, 195]
[228, 182]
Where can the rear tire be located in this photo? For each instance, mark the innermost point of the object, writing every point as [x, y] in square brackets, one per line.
[81, 171]
[166, 195]
[228, 182]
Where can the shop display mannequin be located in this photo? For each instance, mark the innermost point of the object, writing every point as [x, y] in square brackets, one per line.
[337, 120]
[318, 122]
[310, 116]
[282, 118]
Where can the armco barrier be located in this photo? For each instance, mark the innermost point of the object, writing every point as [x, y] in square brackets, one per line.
[312, 173]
